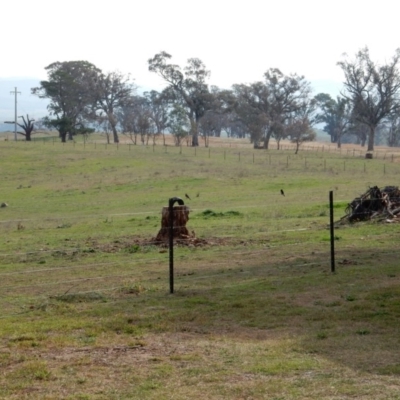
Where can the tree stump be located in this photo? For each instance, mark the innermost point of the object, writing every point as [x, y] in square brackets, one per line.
[181, 216]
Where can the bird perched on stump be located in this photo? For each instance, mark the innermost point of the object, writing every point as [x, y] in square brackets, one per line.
[187, 196]
[282, 192]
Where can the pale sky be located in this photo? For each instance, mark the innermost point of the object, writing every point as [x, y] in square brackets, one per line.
[237, 40]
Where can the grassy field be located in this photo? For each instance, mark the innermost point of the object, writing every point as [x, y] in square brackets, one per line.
[256, 314]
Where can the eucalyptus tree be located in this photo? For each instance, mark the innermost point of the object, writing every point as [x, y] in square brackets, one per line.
[179, 123]
[216, 119]
[112, 91]
[299, 126]
[69, 89]
[126, 117]
[189, 85]
[337, 114]
[393, 134]
[391, 128]
[266, 106]
[159, 105]
[252, 110]
[300, 131]
[373, 89]
[211, 125]
[358, 131]
[136, 119]
[234, 126]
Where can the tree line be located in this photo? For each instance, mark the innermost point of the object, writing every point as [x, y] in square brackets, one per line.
[82, 99]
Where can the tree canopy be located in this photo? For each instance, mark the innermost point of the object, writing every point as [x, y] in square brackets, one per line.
[279, 106]
[336, 114]
[69, 90]
[268, 107]
[373, 89]
[190, 87]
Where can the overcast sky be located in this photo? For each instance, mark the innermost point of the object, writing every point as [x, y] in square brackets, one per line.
[238, 40]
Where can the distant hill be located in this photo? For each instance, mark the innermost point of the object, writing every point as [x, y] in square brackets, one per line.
[26, 102]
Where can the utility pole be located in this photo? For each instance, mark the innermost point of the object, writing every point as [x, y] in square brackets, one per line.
[15, 92]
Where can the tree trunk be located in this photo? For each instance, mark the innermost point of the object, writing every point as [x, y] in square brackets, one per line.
[63, 136]
[266, 140]
[115, 134]
[113, 123]
[206, 140]
[194, 132]
[195, 140]
[181, 216]
[371, 138]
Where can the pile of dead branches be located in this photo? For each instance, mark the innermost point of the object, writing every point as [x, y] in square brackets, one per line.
[382, 204]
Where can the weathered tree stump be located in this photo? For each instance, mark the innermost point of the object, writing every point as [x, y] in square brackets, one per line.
[181, 217]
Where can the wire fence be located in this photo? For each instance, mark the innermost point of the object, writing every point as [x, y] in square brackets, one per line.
[30, 279]
[234, 149]
[116, 257]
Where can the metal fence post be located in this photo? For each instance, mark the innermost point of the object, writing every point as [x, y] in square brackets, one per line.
[332, 232]
[171, 202]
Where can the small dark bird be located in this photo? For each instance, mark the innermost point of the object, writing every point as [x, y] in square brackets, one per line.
[198, 194]
[282, 192]
[187, 196]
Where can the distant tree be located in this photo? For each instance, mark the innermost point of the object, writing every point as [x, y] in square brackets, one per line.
[62, 124]
[372, 89]
[112, 91]
[190, 86]
[299, 125]
[265, 107]
[358, 131]
[336, 114]
[215, 120]
[69, 90]
[392, 130]
[179, 124]
[65, 126]
[27, 126]
[251, 110]
[102, 124]
[40, 125]
[159, 105]
[136, 120]
[211, 125]
[234, 126]
[127, 123]
[299, 132]
[126, 118]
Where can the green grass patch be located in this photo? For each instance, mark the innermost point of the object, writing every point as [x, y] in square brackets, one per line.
[256, 313]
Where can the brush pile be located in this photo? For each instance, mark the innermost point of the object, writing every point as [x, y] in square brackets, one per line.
[375, 203]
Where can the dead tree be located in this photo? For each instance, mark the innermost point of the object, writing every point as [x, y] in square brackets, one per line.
[180, 232]
[27, 126]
